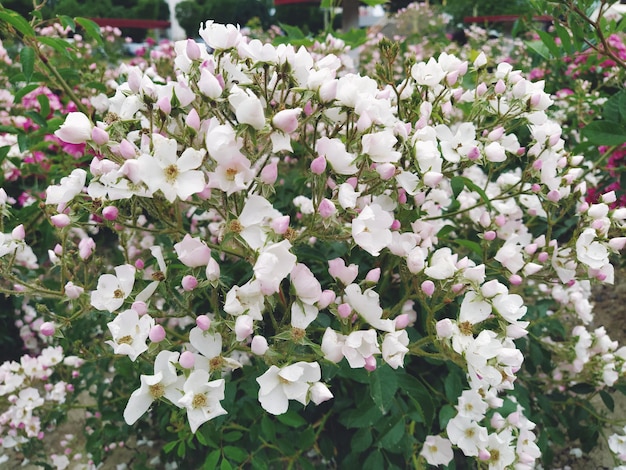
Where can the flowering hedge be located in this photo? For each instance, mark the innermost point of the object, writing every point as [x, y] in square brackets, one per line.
[264, 244]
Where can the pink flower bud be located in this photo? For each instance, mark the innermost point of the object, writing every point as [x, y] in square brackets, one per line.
[60, 220]
[373, 275]
[243, 327]
[187, 360]
[140, 307]
[269, 174]
[165, 105]
[193, 120]
[326, 298]
[287, 120]
[156, 334]
[531, 248]
[259, 345]
[543, 257]
[428, 287]
[554, 196]
[500, 87]
[395, 225]
[402, 321]
[127, 150]
[445, 328]
[326, 208]
[402, 196]
[490, 235]
[212, 270]
[189, 283]
[432, 178]
[47, 328]
[473, 154]
[99, 136]
[484, 455]
[86, 247]
[58, 249]
[386, 170]
[515, 280]
[192, 49]
[73, 291]
[344, 310]
[318, 165]
[139, 264]
[370, 363]
[203, 322]
[18, 233]
[280, 224]
[110, 212]
[481, 89]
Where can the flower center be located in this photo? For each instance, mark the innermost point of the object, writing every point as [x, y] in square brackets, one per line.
[230, 174]
[128, 339]
[199, 400]
[466, 328]
[216, 363]
[158, 276]
[171, 173]
[157, 391]
[469, 433]
[118, 294]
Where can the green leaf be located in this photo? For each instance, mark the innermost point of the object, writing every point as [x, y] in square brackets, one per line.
[582, 389]
[201, 438]
[361, 440]
[18, 22]
[383, 386]
[23, 142]
[373, 3]
[91, 28]
[44, 105]
[293, 32]
[457, 183]
[391, 437]
[326, 4]
[225, 465]
[27, 59]
[235, 453]
[550, 43]
[169, 447]
[446, 413]
[605, 133]
[67, 22]
[4, 151]
[232, 436]
[539, 47]
[374, 461]
[471, 186]
[566, 41]
[607, 399]
[60, 45]
[211, 459]
[292, 419]
[24, 91]
[453, 386]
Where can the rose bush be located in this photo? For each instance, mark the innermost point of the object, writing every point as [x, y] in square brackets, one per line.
[227, 234]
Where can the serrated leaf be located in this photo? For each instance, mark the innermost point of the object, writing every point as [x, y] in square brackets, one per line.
[582, 389]
[18, 22]
[27, 59]
[24, 91]
[67, 22]
[91, 28]
[44, 105]
[457, 184]
[605, 133]
[361, 440]
[446, 413]
[291, 419]
[607, 399]
[211, 459]
[550, 43]
[60, 45]
[235, 453]
[539, 47]
[383, 386]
